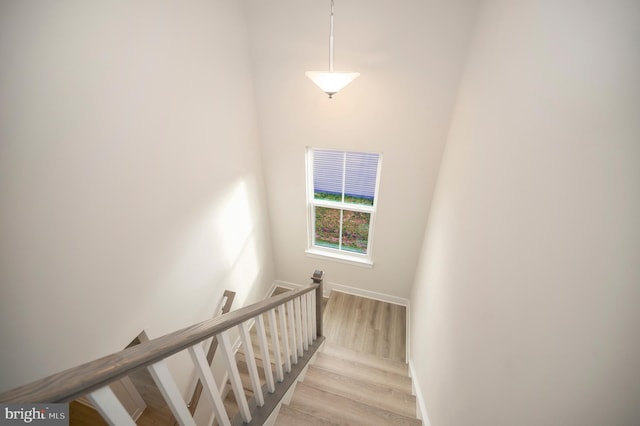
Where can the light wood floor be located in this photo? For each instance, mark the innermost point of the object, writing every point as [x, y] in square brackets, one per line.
[81, 415]
[364, 325]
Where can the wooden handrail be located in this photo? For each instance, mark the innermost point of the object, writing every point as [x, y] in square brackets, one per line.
[75, 382]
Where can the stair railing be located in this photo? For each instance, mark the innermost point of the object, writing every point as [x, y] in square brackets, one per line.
[229, 296]
[299, 337]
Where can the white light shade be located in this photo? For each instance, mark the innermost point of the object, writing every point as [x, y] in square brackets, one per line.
[331, 82]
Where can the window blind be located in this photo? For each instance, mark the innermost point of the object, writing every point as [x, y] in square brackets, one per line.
[352, 174]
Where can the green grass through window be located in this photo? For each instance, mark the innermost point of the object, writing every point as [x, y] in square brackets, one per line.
[352, 199]
[355, 229]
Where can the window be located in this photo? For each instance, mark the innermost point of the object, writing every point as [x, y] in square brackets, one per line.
[342, 194]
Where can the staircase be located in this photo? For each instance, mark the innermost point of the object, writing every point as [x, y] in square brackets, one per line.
[342, 387]
[319, 380]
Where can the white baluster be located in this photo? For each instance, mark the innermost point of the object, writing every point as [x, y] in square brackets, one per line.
[234, 376]
[292, 329]
[298, 316]
[169, 390]
[310, 318]
[110, 408]
[275, 341]
[305, 321]
[264, 349]
[282, 313]
[314, 326]
[250, 358]
[209, 384]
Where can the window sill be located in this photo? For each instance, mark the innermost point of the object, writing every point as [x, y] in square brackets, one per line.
[339, 257]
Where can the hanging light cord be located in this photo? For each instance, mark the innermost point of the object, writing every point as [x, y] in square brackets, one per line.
[331, 82]
[331, 40]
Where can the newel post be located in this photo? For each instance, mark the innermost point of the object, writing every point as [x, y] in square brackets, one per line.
[318, 278]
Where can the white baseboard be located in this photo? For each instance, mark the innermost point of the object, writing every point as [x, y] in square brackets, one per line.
[367, 293]
[408, 332]
[290, 286]
[421, 407]
[329, 287]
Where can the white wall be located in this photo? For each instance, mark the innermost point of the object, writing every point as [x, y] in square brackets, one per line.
[409, 54]
[525, 305]
[130, 176]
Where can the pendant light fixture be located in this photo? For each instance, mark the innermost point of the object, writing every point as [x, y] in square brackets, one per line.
[331, 82]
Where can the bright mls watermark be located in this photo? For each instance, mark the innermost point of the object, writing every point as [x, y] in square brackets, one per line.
[35, 414]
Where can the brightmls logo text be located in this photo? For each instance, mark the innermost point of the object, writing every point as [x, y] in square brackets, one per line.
[36, 414]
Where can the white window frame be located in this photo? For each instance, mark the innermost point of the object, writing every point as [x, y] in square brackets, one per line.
[360, 259]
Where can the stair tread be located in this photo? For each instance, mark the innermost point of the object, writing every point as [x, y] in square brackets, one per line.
[357, 370]
[240, 355]
[289, 416]
[246, 379]
[371, 360]
[365, 391]
[258, 353]
[343, 411]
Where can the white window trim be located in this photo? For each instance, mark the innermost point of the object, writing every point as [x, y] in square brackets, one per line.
[343, 256]
[339, 256]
